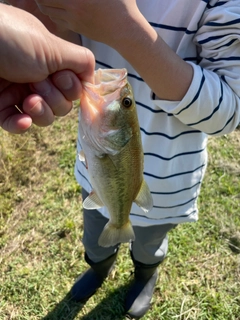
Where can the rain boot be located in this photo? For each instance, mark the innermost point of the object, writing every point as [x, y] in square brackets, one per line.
[88, 282]
[141, 291]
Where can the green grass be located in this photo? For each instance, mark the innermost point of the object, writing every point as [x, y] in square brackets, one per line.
[41, 229]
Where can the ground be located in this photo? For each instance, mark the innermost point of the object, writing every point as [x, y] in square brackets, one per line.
[41, 230]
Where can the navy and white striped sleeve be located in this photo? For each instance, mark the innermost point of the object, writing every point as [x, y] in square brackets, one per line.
[212, 103]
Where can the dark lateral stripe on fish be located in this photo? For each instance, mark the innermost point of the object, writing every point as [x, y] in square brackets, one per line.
[177, 191]
[175, 174]
[167, 136]
[174, 156]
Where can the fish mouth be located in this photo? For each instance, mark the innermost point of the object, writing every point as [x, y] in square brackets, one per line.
[106, 88]
[109, 75]
[107, 81]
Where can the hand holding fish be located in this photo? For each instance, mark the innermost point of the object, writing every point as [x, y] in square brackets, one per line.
[39, 72]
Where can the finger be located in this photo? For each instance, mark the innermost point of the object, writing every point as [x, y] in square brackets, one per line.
[69, 56]
[33, 106]
[68, 83]
[78, 59]
[16, 123]
[10, 118]
[59, 105]
[4, 84]
[39, 111]
[12, 94]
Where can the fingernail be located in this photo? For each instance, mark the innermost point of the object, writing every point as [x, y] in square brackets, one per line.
[64, 82]
[37, 109]
[42, 87]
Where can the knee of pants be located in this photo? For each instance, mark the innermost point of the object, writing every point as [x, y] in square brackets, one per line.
[151, 244]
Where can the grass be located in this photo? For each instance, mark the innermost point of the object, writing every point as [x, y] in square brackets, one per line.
[41, 230]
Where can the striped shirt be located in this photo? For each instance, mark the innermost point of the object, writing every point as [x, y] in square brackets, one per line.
[205, 34]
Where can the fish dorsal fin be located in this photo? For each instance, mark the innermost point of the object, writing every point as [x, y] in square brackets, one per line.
[92, 202]
[144, 198]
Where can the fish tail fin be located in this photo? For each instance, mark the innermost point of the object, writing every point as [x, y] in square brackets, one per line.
[112, 235]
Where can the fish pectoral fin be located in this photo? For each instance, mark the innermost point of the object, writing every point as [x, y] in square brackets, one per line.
[92, 202]
[112, 235]
[144, 198]
[113, 141]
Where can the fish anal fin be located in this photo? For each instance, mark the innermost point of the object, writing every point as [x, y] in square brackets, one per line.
[92, 202]
[112, 235]
[144, 198]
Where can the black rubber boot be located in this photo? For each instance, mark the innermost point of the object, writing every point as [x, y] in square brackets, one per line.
[141, 291]
[88, 282]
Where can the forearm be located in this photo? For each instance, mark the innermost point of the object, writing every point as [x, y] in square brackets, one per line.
[121, 25]
[163, 70]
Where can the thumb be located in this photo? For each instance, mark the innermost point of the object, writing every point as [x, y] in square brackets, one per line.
[74, 57]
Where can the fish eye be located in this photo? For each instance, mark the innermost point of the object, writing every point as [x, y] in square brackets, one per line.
[127, 102]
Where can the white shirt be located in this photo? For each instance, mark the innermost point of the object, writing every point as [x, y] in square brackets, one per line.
[205, 34]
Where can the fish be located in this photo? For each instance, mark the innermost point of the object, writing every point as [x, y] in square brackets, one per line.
[112, 150]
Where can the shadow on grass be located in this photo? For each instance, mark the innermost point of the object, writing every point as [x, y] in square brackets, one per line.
[110, 308]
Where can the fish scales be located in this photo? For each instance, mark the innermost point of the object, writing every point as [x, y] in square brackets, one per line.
[111, 142]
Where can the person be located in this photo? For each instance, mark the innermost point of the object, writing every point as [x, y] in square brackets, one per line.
[39, 72]
[183, 63]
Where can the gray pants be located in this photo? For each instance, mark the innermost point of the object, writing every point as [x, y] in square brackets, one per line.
[149, 247]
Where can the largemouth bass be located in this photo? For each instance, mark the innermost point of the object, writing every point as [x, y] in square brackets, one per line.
[112, 149]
